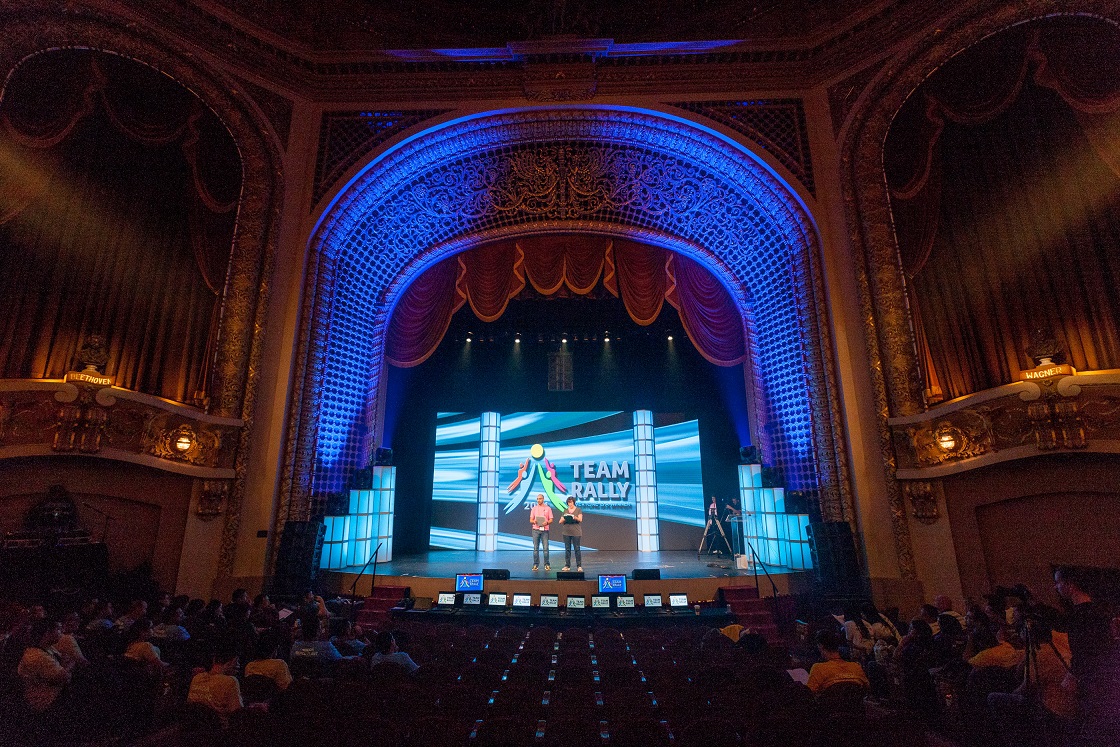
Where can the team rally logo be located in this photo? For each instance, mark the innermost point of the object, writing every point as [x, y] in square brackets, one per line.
[536, 466]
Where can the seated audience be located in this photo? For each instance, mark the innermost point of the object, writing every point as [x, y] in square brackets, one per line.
[833, 670]
[218, 688]
[266, 664]
[67, 646]
[41, 669]
[171, 628]
[313, 651]
[136, 610]
[386, 650]
[102, 619]
[1004, 654]
[348, 639]
[139, 648]
[914, 657]
[944, 606]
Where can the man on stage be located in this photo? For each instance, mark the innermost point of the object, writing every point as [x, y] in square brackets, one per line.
[571, 527]
[540, 516]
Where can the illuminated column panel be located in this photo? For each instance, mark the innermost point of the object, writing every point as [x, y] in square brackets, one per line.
[489, 446]
[645, 482]
[337, 546]
[382, 501]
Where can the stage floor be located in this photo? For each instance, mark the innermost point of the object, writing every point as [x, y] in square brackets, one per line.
[446, 563]
[429, 573]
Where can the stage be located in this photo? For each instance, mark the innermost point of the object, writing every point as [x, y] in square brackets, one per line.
[427, 574]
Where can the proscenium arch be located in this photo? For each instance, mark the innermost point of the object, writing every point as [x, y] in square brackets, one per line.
[620, 171]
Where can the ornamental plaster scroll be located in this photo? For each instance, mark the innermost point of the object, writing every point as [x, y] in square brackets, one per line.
[237, 358]
[892, 355]
[621, 171]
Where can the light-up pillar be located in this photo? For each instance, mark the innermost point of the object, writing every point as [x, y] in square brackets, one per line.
[645, 482]
[488, 452]
[382, 501]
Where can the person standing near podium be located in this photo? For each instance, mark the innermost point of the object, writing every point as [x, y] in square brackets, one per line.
[540, 516]
[571, 528]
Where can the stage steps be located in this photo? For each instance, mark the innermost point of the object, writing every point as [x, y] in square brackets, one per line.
[758, 614]
[375, 610]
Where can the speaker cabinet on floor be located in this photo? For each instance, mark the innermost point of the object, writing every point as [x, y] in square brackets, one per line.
[834, 556]
[495, 574]
[647, 574]
[297, 559]
[570, 576]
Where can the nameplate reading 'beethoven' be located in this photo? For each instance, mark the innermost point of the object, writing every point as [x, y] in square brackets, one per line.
[87, 378]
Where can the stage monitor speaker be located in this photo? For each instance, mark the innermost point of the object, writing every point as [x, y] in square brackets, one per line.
[383, 457]
[647, 574]
[495, 574]
[570, 576]
[297, 558]
[834, 555]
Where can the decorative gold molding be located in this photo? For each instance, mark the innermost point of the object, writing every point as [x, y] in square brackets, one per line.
[894, 370]
[1068, 413]
[117, 30]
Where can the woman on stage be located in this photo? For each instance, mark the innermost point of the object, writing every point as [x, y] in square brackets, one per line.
[571, 528]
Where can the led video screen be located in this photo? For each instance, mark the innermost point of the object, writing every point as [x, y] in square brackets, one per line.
[617, 466]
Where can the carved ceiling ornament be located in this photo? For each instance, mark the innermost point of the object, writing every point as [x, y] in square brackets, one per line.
[602, 170]
[893, 362]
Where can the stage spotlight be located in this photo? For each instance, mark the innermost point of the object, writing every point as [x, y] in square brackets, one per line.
[469, 334]
[670, 338]
[517, 337]
[606, 339]
[564, 339]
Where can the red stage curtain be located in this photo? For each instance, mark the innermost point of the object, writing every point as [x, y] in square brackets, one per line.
[489, 276]
[994, 186]
[423, 315]
[709, 316]
[111, 223]
[641, 279]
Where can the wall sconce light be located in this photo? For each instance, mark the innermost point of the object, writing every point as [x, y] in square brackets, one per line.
[947, 437]
[184, 440]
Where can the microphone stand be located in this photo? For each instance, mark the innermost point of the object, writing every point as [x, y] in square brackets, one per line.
[105, 514]
[372, 581]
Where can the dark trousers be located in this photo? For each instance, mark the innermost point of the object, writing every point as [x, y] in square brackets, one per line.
[569, 543]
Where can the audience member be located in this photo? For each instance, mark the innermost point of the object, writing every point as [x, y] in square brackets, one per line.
[139, 648]
[914, 657]
[386, 650]
[41, 668]
[102, 618]
[67, 646]
[944, 606]
[171, 628]
[218, 688]
[136, 610]
[833, 669]
[1004, 654]
[265, 662]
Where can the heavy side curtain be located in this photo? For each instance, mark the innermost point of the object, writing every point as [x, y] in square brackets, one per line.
[1004, 175]
[643, 277]
[118, 195]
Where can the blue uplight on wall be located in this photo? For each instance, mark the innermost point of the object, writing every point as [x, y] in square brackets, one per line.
[648, 176]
